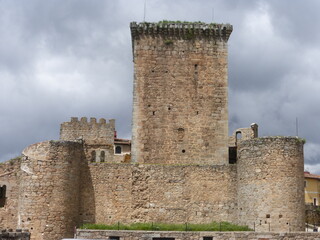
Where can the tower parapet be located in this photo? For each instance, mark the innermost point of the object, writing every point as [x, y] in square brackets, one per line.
[183, 30]
[92, 132]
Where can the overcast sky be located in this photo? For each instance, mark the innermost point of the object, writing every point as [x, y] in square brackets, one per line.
[67, 58]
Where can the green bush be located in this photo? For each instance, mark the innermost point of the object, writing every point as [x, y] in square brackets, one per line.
[214, 226]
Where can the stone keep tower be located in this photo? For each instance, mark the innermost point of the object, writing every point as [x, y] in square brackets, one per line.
[180, 104]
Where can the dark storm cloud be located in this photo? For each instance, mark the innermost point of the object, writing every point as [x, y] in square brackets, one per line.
[73, 58]
[274, 77]
[58, 61]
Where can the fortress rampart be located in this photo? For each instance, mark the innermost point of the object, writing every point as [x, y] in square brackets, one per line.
[184, 167]
[159, 193]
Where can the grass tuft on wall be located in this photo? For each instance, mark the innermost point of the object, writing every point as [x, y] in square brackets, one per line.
[214, 226]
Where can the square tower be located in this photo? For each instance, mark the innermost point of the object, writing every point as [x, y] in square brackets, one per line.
[180, 99]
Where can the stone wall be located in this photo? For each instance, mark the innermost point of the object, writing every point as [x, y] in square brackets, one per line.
[9, 177]
[127, 193]
[149, 235]
[93, 132]
[180, 102]
[14, 235]
[241, 134]
[49, 189]
[97, 137]
[312, 215]
[271, 184]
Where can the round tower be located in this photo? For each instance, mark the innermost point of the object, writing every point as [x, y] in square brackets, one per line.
[271, 184]
[49, 189]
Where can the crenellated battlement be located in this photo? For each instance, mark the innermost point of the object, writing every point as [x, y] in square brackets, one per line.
[93, 121]
[92, 131]
[182, 30]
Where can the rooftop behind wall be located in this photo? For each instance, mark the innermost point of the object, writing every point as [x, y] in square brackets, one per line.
[183, 30]
[91, 132]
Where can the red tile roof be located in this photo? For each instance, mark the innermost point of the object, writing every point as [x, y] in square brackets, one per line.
[309, 175]
[122, 141]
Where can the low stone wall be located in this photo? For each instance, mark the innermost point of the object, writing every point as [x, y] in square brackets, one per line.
[150, 235]
[312, 215]
[14, 235]
[127, 193]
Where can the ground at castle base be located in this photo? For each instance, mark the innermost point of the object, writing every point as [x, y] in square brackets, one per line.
[164, 235]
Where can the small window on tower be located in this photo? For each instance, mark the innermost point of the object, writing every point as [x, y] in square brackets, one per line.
[102, 156]
[3, 190]
[114, 238]
[162, 238]
[118, 150]
[93, 156]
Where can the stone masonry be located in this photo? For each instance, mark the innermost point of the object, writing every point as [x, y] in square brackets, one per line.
[184, 167]
[18, 234]
[180, 103]
[152, 235]
[10, 180]
[49, 189]
[270, 183]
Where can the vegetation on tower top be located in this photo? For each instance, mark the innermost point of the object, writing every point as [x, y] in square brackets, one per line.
[177, 22]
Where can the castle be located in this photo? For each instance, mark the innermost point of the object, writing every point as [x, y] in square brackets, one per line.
[183, 165]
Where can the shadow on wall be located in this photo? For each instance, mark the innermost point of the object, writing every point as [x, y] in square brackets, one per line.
[87, 213]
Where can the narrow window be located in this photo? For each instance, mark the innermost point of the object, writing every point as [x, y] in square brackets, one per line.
[3, 195]
[163, 238]
[118, 150]
[102, 156]
[93, 156]
[196, 69]
[238, 136]
[315, 202]
[207, 238]
[114, 238]
[232, 155]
